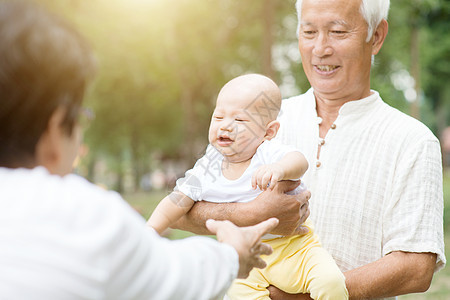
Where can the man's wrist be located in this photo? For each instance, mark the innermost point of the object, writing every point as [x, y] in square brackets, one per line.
[241, 214]
[248, 214]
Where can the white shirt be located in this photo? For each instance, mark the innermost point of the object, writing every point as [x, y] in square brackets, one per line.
[64, 238]
[377, 186]
[205, 181]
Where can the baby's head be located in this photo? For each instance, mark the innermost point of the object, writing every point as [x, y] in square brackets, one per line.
[245, 116]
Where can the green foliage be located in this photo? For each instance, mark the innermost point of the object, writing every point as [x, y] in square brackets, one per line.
[431, 18]
[161, 64]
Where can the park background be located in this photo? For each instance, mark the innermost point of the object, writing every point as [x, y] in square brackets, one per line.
[161, 64]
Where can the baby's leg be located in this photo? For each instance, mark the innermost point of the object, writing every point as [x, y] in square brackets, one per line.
[303, 266]
[253, 287]
[324, 280]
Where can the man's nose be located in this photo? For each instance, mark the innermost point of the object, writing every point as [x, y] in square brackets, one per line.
[322, 46]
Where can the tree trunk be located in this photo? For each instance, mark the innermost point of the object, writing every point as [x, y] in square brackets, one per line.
[135, 159]
[415, 60]
[441, 124]
[189, 129]
[120, 175]
[268, 20]
[91, 168]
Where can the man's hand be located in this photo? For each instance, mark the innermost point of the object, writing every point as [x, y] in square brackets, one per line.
[246, 241]
[277, 294]
[291, 210]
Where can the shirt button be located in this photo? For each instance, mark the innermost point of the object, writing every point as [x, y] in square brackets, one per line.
[321, 142]
[333, 126]
[318, 164]
[319, 120]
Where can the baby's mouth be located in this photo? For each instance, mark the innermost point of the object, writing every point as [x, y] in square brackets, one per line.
[224, 141]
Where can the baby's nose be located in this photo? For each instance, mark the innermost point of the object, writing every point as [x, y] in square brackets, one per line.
[229, 126]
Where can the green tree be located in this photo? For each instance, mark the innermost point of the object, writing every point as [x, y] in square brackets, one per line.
[162, 63]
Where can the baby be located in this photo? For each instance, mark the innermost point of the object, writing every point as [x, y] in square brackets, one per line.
[241, 162]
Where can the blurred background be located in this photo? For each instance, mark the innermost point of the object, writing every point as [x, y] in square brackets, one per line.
[161, 64]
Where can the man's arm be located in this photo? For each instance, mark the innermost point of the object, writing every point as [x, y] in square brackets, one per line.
[397, 273]
[150, 267]
[291, 210]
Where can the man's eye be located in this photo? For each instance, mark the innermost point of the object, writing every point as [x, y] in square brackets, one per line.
[309, 34]
[339, 32]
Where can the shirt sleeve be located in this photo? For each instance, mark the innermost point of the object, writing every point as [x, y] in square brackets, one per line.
[193, 182]
[413, 217]
[272, 151]
[146, 266]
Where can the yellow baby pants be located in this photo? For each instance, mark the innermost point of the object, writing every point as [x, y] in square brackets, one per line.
[298, 264]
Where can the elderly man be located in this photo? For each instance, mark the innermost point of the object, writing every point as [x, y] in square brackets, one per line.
[62, 237]
[376, 175]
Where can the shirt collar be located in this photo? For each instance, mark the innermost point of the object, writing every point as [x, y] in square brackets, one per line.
[352, 107]
[360, 106]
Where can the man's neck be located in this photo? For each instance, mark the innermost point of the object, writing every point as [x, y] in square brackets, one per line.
[328, 109]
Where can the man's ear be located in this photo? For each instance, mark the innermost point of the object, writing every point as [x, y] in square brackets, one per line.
[49, 145]
[271, 130]
[379, 36]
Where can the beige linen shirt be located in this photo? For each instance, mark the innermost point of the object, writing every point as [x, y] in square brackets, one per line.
[377, 185]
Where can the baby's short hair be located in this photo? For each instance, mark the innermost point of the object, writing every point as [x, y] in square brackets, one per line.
[265, 92]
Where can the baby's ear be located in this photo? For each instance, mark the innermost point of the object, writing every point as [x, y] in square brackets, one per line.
[271, 130]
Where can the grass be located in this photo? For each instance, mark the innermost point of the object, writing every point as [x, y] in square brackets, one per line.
[145, 203]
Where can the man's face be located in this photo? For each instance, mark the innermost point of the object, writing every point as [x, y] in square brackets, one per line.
[335, 56]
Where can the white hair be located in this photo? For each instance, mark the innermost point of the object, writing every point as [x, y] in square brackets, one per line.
[373, 11]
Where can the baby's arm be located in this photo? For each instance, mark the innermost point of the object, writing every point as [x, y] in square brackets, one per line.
[169, 210]
[291, 166]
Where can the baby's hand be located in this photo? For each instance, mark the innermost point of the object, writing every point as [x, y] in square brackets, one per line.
[267, 176]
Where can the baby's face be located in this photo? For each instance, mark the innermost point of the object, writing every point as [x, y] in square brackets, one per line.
[238, 124]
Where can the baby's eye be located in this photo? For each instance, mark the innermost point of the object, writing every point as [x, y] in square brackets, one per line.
[218, 117]
[241, 120]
